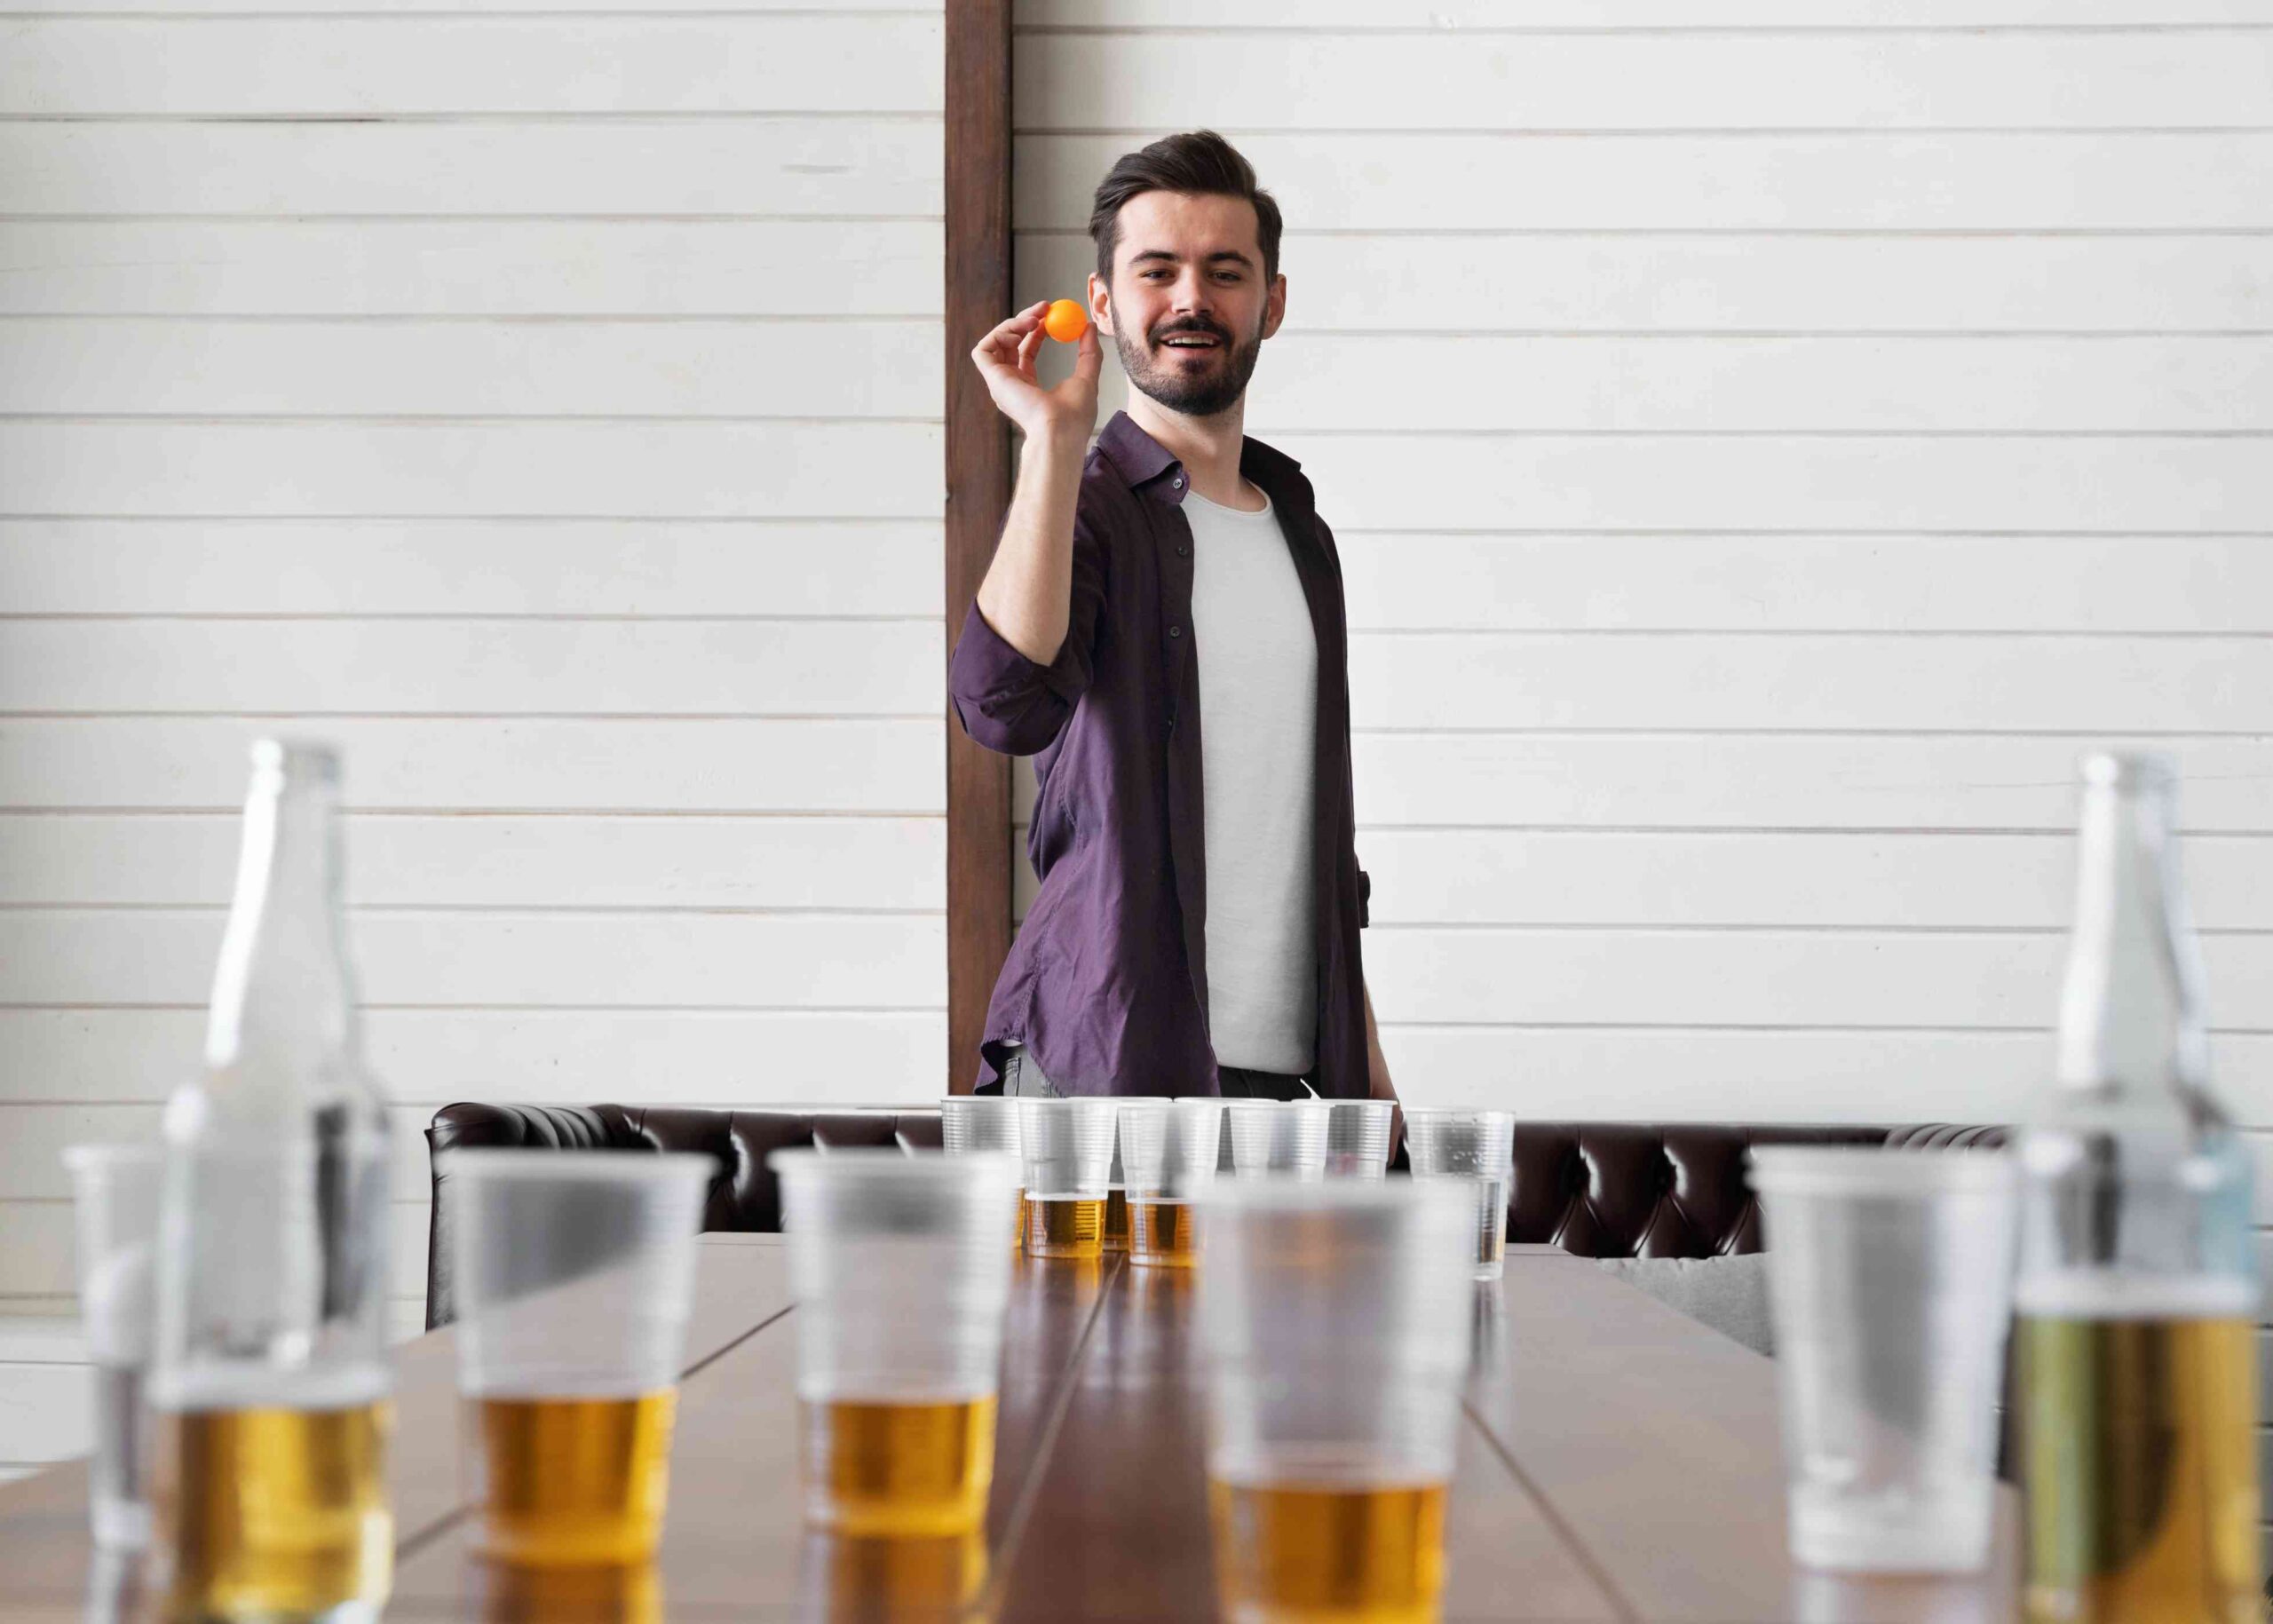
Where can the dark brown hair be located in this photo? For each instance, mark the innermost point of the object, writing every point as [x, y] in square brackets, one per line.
[1200, 164]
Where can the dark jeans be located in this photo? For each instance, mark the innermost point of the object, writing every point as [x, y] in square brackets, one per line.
[1021, 1075]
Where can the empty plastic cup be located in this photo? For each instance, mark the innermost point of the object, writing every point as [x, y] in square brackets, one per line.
[574, 1273]
[901, 1281]
[1335, 1330]
[1890, 1278]
[1068, 1145]
[1168, 1153]
[1357, 1138]
[1478, 1148]
[115, 1189]
[985, 1122]
[1270, 1135]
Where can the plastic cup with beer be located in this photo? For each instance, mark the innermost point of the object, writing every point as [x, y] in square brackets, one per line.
[1068, 1146]
[116, 1191]
[1890, 1280]
[1478, 1149]
[574, 1274]
[1167, 1151]
[1116, 1198]
[1357, 1138]
[1334, 1328]
[901, 1282]
[1278, 1136]
[986, 1123]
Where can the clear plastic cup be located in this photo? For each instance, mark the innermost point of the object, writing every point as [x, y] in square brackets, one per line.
[1068, 1147]
[901, 1282]
[1167, 1153]
[1335, 1336]
[1478, 1148]
[117, 1189]
[1890, 1278]
[1357, 1138]
[1116, 1196]
[574, 1274]
[985, 1122]
[1271, 1135]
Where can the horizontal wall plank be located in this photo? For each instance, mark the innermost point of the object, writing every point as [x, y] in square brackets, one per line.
[319, 368]
[1759, 781]
[518, 1056]
[545, 960]
[491, 764]
[1439, 280]
[1547, 14]
[35, 1250]
[1667, 681]
[1689, 385]
[1400, 580]
[1500, 877]
[1610, 1074]
[470, 861]
[486, 467]
[833, 167]
[820, 568]
[556, 666]
[1760, 977]
[519, 269]
[390, 66]
[2113, 486]
[1853, 182]
[1453, 79]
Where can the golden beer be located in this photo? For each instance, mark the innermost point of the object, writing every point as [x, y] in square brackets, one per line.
[278, 1513]
[573, 1482]
[1018, 1225]
[1116, 1219]
[2142, 1467]
[514, 1595]
[1306, 1554]
[892, 1468]
[1065, 1226]
[1162, 1233]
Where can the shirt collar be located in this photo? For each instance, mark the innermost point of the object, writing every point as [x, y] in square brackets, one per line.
[1141, 460]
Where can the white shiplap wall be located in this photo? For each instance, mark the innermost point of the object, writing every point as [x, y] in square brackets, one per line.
[1767, 439]
[544, 403]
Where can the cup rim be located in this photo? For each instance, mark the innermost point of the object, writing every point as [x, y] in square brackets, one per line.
[1286, 1192]
[1458, 1114]
[1870, 1169]
[1004, 1100]
[576, 1167]
[1313, 1101]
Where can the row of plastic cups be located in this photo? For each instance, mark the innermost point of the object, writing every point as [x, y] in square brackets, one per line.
[1083, 1158]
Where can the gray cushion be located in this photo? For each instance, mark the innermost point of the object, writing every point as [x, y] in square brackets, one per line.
[1728, 1294]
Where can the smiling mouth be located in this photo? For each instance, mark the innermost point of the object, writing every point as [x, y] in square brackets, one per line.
[1191, 343]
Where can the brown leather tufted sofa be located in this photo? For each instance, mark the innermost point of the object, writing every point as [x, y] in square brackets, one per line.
[1598, 1189]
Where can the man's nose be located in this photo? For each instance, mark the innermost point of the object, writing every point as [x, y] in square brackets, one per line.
[1192, 294]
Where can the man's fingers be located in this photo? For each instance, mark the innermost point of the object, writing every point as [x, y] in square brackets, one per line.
[1029, 347]
[1089, 358]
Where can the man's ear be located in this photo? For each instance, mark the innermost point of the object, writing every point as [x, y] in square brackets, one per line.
[1274, 306]
[1100, 305]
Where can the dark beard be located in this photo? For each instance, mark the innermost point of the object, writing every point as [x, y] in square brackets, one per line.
[1205, 396]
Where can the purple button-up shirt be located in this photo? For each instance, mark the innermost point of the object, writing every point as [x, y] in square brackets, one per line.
[1107, 983]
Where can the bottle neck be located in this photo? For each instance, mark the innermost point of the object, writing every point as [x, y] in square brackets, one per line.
[284, 995]
[2131, 1006]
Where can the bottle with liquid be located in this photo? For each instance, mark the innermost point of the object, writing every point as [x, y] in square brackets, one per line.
[2138, 1291]
[270, 1377]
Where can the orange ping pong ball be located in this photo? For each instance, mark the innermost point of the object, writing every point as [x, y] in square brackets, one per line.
[1065, 321]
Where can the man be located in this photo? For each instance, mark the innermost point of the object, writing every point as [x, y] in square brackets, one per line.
[1162, 628]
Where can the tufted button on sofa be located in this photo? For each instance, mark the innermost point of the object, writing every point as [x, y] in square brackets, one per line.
[1597, 1189]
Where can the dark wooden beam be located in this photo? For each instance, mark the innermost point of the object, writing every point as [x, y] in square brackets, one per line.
[979, 489]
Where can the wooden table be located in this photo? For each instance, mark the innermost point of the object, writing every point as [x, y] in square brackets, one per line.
[1617, 1461]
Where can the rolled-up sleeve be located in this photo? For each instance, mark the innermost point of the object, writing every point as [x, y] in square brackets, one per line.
[1017, 706]
[1008, 702]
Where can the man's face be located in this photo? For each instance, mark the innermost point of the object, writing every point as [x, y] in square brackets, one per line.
[1189, 309]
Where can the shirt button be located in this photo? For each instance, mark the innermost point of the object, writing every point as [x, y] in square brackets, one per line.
[1176, 483]
[1181, 550]
[1176, 632]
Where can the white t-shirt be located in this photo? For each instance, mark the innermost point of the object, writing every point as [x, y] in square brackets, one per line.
[1258, 716]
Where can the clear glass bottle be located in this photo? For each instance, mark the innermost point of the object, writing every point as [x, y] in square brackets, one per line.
[2138, 1290]
[270, 1374]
